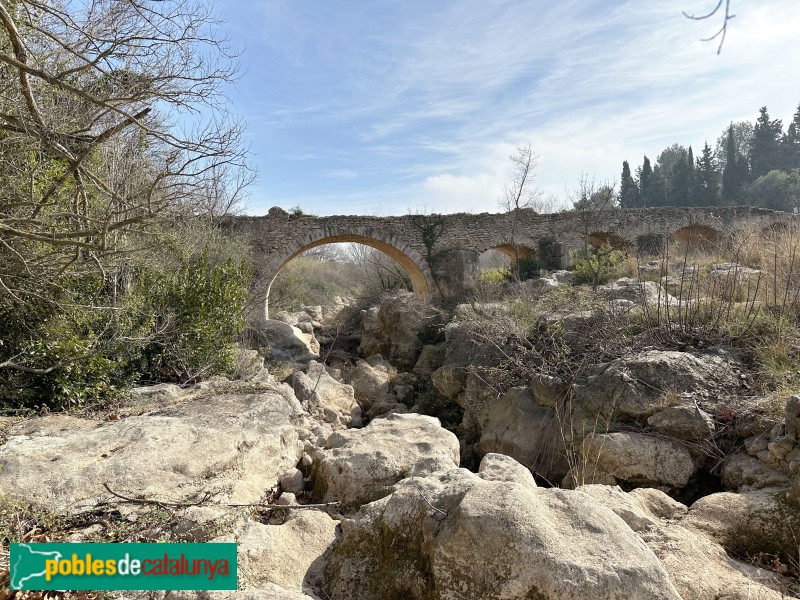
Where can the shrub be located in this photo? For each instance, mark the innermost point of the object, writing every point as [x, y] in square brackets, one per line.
[197, 314]
[171, 313]
[529, 267]
[597, 266]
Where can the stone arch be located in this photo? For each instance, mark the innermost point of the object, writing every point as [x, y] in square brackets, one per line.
[600, 238]
[522, 251]
[409, 260]
[697, 237]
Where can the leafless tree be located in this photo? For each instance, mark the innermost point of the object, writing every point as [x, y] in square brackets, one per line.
[726, 16]
[520, 193]
[111, 113]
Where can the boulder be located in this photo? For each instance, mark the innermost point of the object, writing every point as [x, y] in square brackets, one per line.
[698, 567]
[499, 467]
[742, 471]
[371, 380]
[519, 427]
[361, 465]
[649, 293]
[287, 342]
[397, 334]
[548, 544]
[449, 380]
[431, 357]
[234, 446]
[685, 421]
[638, 386]
[749, 522]
[634, 459]
[325, 398]
[287, 555]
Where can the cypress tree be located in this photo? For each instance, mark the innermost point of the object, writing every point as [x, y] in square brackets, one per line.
[730, 182]
[628, 191]
[706, 179]
[792, 143]
[645, 173]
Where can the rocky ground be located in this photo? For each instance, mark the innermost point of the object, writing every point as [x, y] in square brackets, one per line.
[326, 470]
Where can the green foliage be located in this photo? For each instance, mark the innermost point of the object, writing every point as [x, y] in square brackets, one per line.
[498, 275]
[198, 312]
[296, 211]
[170, 314]
[777, 190]
[597, 266]
[529, 267]
[308, 281]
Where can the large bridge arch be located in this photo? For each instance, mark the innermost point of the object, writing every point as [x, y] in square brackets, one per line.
[409, 260]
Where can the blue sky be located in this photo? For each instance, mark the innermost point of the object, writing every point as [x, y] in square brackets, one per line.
[389, 106]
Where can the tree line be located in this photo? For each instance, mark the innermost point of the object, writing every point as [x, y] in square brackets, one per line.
[756, 164]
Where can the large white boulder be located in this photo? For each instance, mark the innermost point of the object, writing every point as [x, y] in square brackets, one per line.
[362, 465]
[698, 567]
[639, 386]
[327, 399]
[454, 535]
[234, 446]
[519, 427]
[287, 555]
[634, 459]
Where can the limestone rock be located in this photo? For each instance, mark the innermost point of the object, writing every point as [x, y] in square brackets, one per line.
[657, 503]
[549, 544]
[324, 397]
[396, 335]
[638, 292]
[685, 421]
[740, 470]
[292, 481]
[635, 387]
[286, 555]
[499, 467]
[517, 426]
[699, 568]
[748, 522]
[636, 459]
[371, 380]
[431, 357]
[361, 465]
[286, 342]
[235, 445]
[449, 380]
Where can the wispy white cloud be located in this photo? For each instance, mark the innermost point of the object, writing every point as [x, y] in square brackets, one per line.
[425, 101]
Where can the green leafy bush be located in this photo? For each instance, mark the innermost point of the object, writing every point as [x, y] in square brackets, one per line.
[171, 314]
[597, 266]
[529, 267]
[197, 314]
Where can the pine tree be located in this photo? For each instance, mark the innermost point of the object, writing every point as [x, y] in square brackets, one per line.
[658, 187]
[678, 184]
[706, 180]
[628, 190]
[766, 155]
[792, 143]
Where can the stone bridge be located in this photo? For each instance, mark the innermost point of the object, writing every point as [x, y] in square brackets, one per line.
[440, 252]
